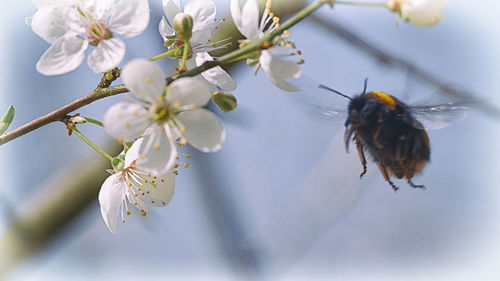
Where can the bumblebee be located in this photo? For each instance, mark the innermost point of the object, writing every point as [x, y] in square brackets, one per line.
[387, 129]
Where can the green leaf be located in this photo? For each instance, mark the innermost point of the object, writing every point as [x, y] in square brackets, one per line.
[7, 119]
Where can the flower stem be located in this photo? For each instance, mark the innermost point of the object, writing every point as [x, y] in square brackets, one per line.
[73, 128]
[162, 55]
[366, 4]
[185, 55]
[94, 121]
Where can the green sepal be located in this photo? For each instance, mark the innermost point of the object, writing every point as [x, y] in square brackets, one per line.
[7, 119]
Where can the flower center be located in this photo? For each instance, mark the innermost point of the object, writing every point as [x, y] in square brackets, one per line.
[162, 111]
[97, 32]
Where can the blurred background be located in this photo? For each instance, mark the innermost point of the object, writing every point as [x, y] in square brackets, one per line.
[282, 200]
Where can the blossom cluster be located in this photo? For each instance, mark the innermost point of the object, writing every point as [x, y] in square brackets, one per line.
[160, 117]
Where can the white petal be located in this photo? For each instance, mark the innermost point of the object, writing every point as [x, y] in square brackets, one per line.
[171, 8]
[278, 69]
[215, 75]
[159, 190]
[247, 19]
[137, 202]
[111, 197]
[107, 55]
[157, 151]
[49, 23]
[43, 3]
[125, 121]
[144, 78]
[188, 91]
[129, 18]
[203, 14]
[65, 54]
[203, 129]
[165, 29]
[133, 152]
[99, 10]
[423, 12]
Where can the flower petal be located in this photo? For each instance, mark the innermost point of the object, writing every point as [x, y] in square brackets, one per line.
[144, 79]
[99, 10]
[278, 69]
[247, 19]
[133, 152]
[49, 23]
[43, 3]
[203, 129]
[125, 121]
[107, 55]
[216, 75]
[171, 8]
[159, 190]
[423, 12]
[111, 197]
[129, 18]
[188, 91]
[65, 54]
[137, 201]
[157, 150]
[165, 29]
[203, 14]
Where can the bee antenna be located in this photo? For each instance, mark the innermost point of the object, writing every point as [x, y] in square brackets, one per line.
[335, 91]
[366, 84]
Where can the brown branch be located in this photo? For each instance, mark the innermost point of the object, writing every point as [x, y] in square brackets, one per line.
[59, 114]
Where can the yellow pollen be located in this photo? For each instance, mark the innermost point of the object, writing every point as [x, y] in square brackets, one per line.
[142, 157]
[164, 203]
[176, 166]
[120, 141]
[286, 33]
[128, 213]
[177, 157]
[143, 213]
[143, 194]
[276, 19]
[152, 201]
[183, 141]
[188, 156]
[156, 146]
[299, 52]
[301, 62]
[186, 165]
[175, 172]
[177, 104]
[271, 14]
[182, 129]
[223, 19]
[142, 185]
[123, 221]
[129, 184]
[148, 80]
[192, 106]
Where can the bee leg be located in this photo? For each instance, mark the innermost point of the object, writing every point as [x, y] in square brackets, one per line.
[421, 186]
[361, 157]
[386, 176]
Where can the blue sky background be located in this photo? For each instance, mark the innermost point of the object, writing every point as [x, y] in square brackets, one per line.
[293, 197]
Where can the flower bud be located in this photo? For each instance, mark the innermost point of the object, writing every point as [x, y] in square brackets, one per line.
[418, 12]
[225, 101]
[7, 119]
[183, 26]
[118, 162]
[78, 120]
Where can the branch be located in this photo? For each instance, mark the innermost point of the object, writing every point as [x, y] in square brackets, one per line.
[59, 114]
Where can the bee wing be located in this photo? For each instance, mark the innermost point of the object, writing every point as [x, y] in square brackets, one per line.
[434, 117]
[322, 105]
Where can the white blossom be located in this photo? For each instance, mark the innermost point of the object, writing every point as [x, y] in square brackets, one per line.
[135, 185]
[204, 22]
[272, 60]
[163, 119]
[419, 12]
[71, 28]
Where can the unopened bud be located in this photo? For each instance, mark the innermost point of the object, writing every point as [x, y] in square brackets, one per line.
[183, 26]
[77, 120]
[225, 101]
[7, 119]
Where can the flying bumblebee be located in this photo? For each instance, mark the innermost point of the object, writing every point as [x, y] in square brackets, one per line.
[392, 132]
